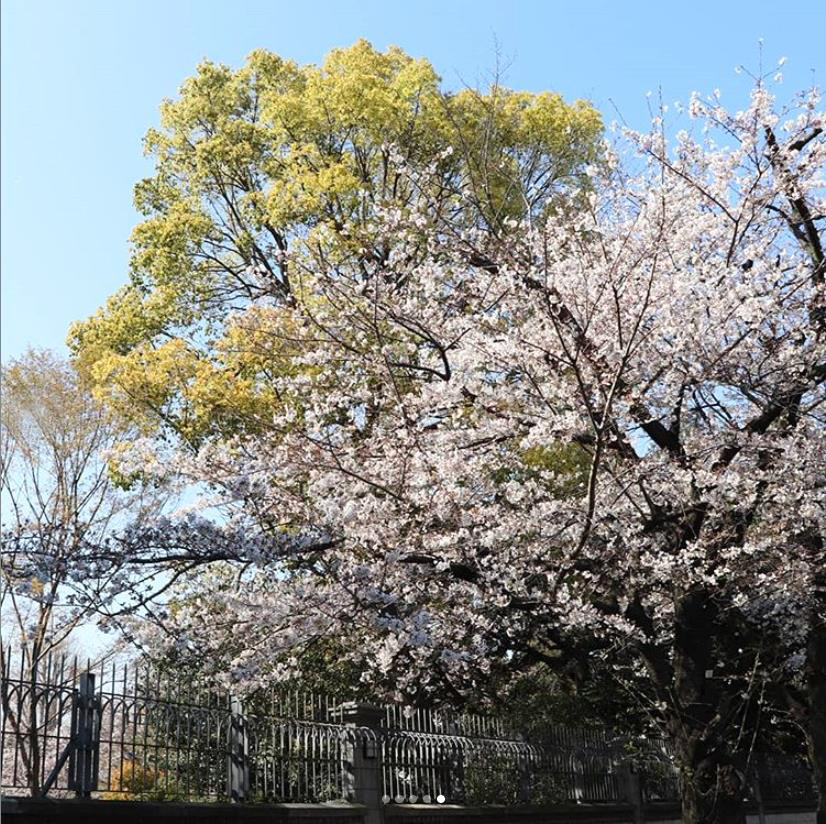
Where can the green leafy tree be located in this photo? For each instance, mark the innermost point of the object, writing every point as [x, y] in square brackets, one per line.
[276, 158]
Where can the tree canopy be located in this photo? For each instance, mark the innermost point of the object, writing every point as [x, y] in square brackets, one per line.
[497, 411]
[259, 170]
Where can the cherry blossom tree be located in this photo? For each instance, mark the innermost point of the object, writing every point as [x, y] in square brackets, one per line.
[595, 433]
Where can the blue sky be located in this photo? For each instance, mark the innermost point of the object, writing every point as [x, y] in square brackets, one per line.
[82, 80]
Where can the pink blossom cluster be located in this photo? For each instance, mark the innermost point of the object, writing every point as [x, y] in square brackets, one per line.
[498, 442]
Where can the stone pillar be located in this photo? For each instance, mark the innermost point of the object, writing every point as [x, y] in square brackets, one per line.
[633, 790]
[238, 766]
[362, 767]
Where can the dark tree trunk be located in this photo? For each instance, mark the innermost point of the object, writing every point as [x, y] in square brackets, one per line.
[711, 789]
[816, 721]
[710, 781]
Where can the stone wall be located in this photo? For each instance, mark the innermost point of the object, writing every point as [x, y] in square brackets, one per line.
[79, 811]
[575, 813]
[74, 811]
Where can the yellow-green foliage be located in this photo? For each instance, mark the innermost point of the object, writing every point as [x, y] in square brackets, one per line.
[563, 466]
[135, 782]
[278, 156]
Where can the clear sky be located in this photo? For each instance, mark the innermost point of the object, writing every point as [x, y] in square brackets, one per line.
[82, 80]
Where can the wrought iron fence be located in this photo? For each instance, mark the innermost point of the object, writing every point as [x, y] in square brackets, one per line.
[444, 722]
[428, 767]
[135, 731]
[156, 736]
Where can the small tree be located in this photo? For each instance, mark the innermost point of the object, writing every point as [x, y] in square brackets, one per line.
[58, 496]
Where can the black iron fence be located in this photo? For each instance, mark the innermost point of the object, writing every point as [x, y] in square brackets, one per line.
[126, 731]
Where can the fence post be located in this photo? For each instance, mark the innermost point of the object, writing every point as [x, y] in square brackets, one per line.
[238, 765]
[361, 757]
[84, 756]
[525, 776]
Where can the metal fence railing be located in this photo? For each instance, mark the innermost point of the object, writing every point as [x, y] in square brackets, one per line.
[138, 731]
[156, 735]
